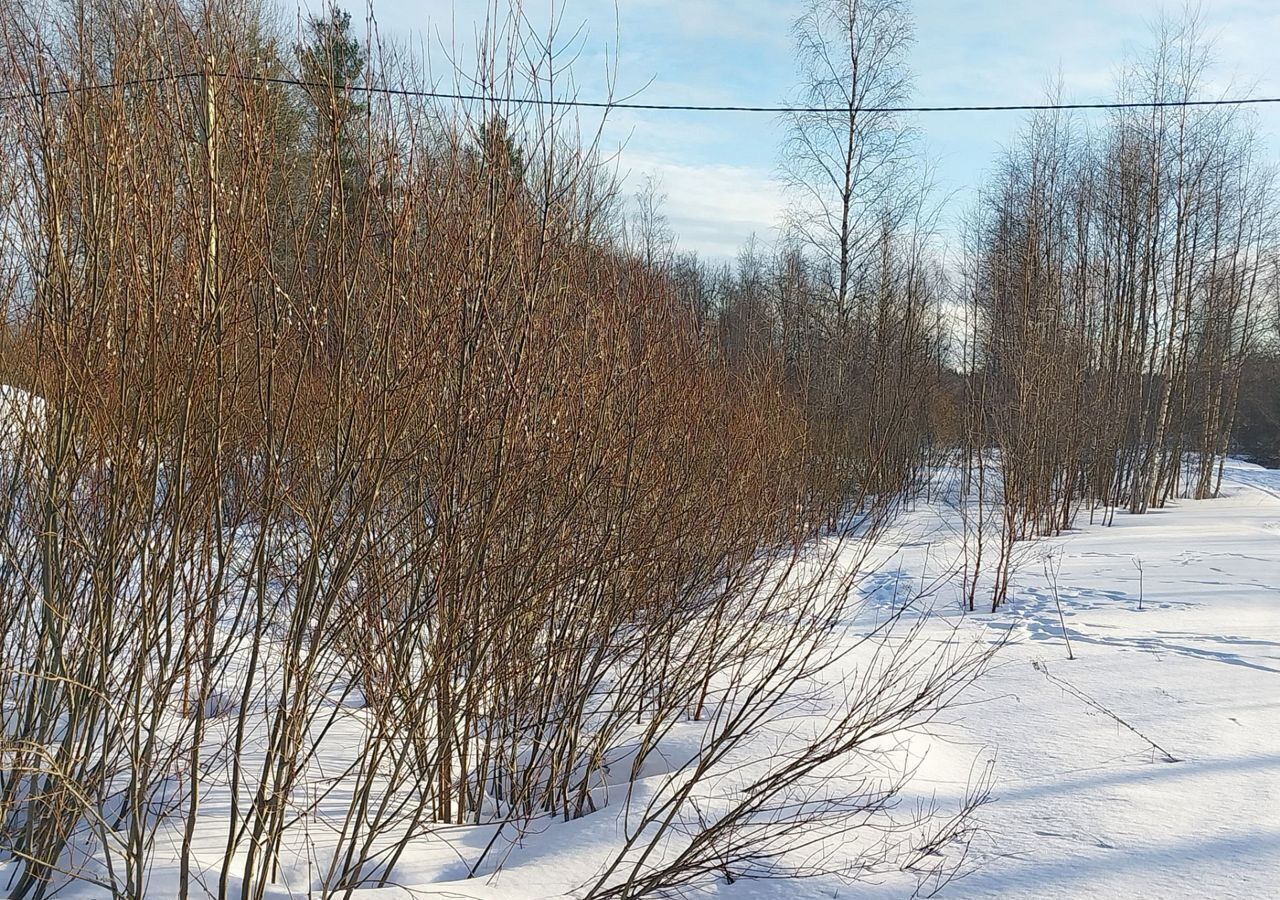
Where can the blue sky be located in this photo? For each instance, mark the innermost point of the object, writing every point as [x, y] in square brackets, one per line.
[718, 171]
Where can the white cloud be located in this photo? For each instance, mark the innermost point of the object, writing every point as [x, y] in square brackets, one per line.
[713, 208]
[752, 21]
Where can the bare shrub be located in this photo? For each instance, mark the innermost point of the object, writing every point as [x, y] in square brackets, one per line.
[377, 489]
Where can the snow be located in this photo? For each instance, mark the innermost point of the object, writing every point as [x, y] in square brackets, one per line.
[1084, 806]
[1174, 623]
[21, 415]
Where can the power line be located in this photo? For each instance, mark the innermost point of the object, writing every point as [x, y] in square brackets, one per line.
[105, 86]
[656, 107]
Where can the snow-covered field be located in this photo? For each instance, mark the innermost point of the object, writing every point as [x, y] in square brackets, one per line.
[1083, 805]
[1147, 766]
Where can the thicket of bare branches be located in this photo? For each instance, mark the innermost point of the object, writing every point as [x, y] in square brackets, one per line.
[365, 486]
[860, 287]
[1114, 286]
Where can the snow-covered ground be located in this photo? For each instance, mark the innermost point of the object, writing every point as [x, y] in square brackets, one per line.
[1085, 806]
[1147, 766]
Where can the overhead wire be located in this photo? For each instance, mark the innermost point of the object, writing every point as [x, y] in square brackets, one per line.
[650, 107]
